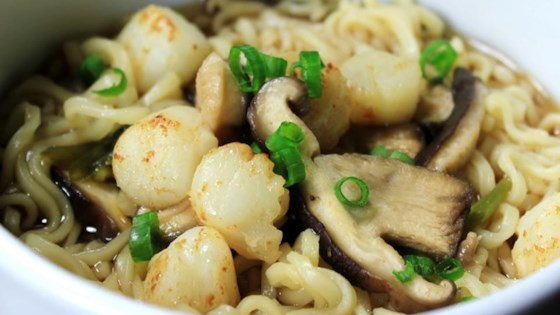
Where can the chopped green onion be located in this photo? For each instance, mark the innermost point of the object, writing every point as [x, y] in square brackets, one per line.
[252, 76]
[364, 192]
[450, 269]
[91, 68]
[436, 60]
[401, 156]
[283, 145]
[274, 67]
[256, 148]
[311, 67]
[289, 164]
[145, 239]
[380, 150]
[423, 266]
[485, 207]
[287, 135]
[116, 89]
[405, 275]
[467, 298]
[89, 159]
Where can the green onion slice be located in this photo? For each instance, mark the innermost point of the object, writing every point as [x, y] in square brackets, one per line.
[450, 269]
[145, 239]
[485, 207]
[116, 89]
[274, 67]
[423, 266]
[364, 192]
[289, 164]
[436, 60]
[256, 148]
[405, 275]
[84, 160]
[467, 298]
[401, 156]
[283, 145]
[91, 68]
[311, 67]
[251, 77]
[380, 150]
[287, 135]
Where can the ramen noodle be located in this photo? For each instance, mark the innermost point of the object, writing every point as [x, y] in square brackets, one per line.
[167, 58]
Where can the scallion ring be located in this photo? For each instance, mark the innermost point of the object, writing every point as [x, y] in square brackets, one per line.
[311, 67]
[256, 148]
[91, 68]
[287, 135]
[251, 77]
[145, 240]
[116, 89]
[289, 164]
[423, 266]
[436, 60]
[401, 156]
[364, 192]
[405, 275]
[450, 269]
[380, 150]
[274, 66]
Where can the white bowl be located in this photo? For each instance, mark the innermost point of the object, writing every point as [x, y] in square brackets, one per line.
[525, 31]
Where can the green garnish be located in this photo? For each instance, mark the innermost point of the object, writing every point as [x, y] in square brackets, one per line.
[91, 68]
[116, 89]
[283, 145]
[89, 159]
[483, 209]
[450, 269]
[436, 60]
[251, 77]
[261, 67]
[364, 192]
[405, 275]
[145, 239]
[381, 150]
[423, 266]
[401, 156]
[256, 148]
[311, 67]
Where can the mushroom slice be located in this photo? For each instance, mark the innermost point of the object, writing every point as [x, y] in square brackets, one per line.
[409, 206]
[453, 145]
[98, 204]
[404, 198]
[274, 103]
[407, 138]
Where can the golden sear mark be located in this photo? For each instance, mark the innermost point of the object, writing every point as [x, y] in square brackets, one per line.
[163, 123]
[158, 22]
[149, 155]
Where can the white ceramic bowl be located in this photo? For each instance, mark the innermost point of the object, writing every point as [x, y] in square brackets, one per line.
[525, 31]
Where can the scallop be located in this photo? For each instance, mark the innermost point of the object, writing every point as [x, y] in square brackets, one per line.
[538, 237]
[154, 160]
[237, 193]
[196, 271]
[159, 40]
[384, 88]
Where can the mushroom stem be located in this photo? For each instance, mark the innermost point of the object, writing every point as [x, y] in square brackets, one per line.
[273, 105]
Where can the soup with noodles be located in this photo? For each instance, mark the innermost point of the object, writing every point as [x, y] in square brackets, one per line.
[287, 157]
